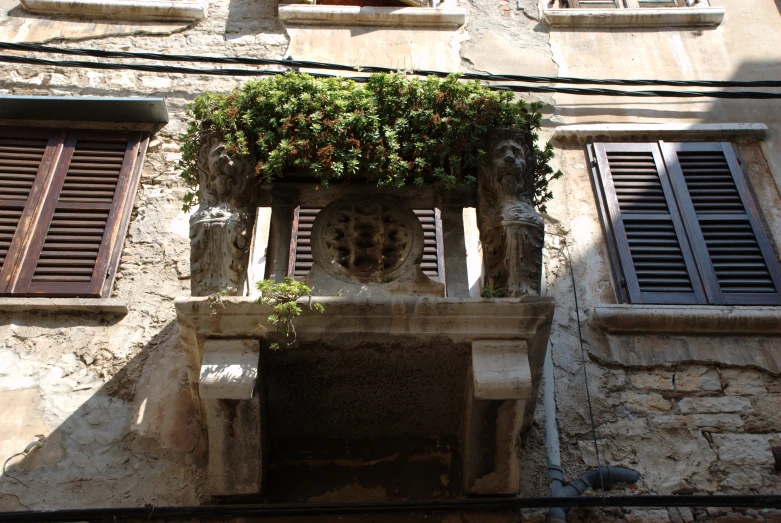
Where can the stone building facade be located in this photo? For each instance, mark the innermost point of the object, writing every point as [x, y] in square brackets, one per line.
[686, 395]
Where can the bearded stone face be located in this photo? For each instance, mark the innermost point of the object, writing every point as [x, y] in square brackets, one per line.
[223, 172]
[508, 161]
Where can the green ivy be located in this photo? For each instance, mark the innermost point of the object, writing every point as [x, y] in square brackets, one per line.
[393, 130]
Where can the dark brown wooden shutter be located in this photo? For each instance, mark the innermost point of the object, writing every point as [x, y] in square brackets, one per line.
[657, 265]
[26, 159]
[79, 227]
[734, 255]
[301, 250]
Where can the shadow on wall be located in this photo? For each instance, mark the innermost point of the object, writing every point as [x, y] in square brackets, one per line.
[675, 110]
[251, 20]
[130, 441]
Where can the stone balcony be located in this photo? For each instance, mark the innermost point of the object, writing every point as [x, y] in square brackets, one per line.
[434, 390]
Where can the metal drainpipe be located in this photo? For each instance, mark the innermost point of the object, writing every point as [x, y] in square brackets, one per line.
[590, 478]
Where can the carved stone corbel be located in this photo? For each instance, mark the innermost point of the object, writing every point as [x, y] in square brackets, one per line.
[511, 230]
[221, 226]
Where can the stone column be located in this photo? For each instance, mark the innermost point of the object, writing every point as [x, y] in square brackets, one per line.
[283, 207]
[498, 386]
[232, 403]
[456, 275]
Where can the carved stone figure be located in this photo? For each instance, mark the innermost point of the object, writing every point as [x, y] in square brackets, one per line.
[511, 230]
[221, 227]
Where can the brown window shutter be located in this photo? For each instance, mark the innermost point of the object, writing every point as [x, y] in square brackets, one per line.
[656, 263]
[301, 251]
[733, 251]
[80, 226]
[27, 157]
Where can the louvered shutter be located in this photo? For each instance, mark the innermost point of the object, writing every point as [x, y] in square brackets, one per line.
[647, 231]
[301, 251]
[733, 252]
[72, 246]
[594, 4]
[26, 159]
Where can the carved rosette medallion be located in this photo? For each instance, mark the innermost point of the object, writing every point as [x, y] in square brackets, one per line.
[371, 240]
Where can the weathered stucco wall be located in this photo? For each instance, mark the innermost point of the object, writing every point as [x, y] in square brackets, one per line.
[111, 392]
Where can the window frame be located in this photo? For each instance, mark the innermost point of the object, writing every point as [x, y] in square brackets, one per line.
[27, 241]
[693, 248]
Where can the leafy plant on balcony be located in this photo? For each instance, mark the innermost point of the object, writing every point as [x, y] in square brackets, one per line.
[393, 130]
[283, 296]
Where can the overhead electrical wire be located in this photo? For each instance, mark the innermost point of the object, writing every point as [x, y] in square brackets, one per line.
[99, 53]
[757, 95]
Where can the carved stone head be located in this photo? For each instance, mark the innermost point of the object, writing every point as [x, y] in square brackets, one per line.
[222, 178]
[508, 169]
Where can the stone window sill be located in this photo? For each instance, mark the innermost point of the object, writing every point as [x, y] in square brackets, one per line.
[327, 15]
[688, 319]
[723, 132]
[141, 10]
[111, 306]
[635, 18]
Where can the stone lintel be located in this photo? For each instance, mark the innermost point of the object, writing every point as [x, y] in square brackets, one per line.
[635, 18]
[120, 9]
[688, 319]
[341, 15]
[651, 132]
[651, 335]
[114, 306]
[229, 369]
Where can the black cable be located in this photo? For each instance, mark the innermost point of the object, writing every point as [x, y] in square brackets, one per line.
[585, 373]
[583, 360]
[767, 501]
[512, 88]
[377, 69]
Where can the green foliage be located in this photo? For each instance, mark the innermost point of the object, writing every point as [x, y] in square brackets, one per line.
[489, 292]
[283, 296]
[391, 131]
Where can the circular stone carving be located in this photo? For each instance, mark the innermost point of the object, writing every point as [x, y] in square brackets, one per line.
[367, 239]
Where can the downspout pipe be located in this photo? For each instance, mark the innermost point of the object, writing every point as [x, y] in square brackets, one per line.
[590, 478]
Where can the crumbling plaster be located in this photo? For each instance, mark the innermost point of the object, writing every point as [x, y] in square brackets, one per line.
[109, 391]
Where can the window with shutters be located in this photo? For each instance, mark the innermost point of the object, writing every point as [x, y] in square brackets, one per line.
[630, 4]
[682, 226]
[301, 251]
[65, 202]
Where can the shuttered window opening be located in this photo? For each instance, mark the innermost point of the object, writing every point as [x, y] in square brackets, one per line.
[684, 225]
[301, 250]
[657, 264]
[737, 262]
[69, 245]
[9, 220]
[656, 256]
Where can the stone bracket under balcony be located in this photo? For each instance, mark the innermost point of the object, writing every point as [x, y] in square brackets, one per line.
[465, 370]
